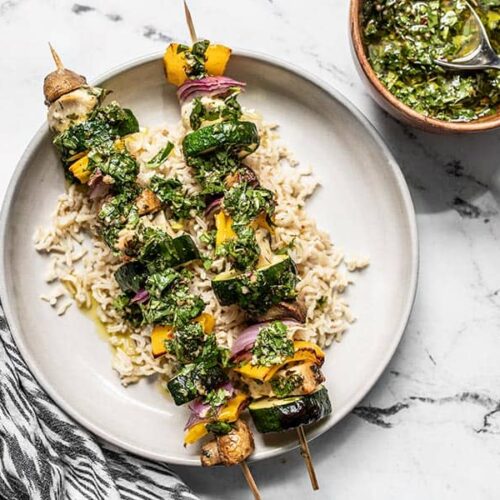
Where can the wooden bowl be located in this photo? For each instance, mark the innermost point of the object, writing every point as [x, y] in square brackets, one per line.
[391, 103]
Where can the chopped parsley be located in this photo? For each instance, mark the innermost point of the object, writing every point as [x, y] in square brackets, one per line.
[217, 397]
[172, 193]
[119, 165]
[227, 109]
[256, 292]
[242, 250]
[321, 302]
[117, 214]
[177, 307]
[283, 386]
[272, 346]
[208, 237]
[158, 282]
[195, 58]
[104, 125]
[404, 38]
[211, 171]
[244, 203]
[161, 157]
[187, 344]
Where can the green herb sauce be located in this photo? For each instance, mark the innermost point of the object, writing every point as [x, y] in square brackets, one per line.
[272, 346]
[283, 386]
[404, 37]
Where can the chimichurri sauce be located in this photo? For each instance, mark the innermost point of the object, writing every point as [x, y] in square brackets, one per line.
[404, 37]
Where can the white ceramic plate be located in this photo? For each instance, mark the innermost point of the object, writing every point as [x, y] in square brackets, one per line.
[363, 203]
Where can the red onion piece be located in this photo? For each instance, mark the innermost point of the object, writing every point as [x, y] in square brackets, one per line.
[228, 387]
[209, 86]
[246, 339]
[192, 420]
[97, 187]
[243, 357]
[140, 297]
[213, 206]
[199, 410]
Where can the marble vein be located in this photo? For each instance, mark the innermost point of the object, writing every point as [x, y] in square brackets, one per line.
[380, 416]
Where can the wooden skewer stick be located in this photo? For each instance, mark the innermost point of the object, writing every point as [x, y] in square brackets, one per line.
[250, 480]
[244, 466]
[306, 454]
[189, 21]
[56, 57]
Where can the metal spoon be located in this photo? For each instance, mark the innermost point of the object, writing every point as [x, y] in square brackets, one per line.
[482, 57]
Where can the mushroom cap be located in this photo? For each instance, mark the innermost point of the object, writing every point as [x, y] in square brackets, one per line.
[60, 82]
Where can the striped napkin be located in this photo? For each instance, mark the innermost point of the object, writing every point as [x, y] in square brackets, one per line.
[44, 455]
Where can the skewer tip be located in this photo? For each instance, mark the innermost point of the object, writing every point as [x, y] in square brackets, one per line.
[56, 57]
[250, 480]
[306, 454]
[189, 21]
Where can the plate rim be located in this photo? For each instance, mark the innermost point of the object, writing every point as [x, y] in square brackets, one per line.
[410, 215]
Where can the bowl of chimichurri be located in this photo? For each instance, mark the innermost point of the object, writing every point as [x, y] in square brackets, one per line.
[396, 43]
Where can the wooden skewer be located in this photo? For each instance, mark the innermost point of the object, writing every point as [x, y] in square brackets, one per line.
[244, 466]
[189, 21]
[56, 57]
[306, 454]
[250, 480]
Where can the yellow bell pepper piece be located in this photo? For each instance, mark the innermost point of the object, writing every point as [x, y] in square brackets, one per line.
[216, 56]
[224, 225]
[158, 337]
[77, 156]
[231, 411]
[176, 226]
[119, 145]
[162, 333]
[217, 59]
[309, 349]
[261, 221]
[175, 64]
[207, 322]
[304, 351]
[195, 433]
[80, 169]
[257, 372]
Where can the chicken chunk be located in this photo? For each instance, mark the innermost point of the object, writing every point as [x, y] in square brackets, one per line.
[308, 376]
[210, 454]
[229, 449]
[147, 202]
[73, 107]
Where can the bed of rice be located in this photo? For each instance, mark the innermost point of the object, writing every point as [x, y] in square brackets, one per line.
[81, 267]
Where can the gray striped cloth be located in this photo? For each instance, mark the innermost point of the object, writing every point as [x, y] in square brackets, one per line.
[44, 455]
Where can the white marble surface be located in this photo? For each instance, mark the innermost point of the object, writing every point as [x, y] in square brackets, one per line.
[431, 426]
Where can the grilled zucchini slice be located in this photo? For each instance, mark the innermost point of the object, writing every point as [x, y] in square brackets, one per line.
[277, 415]
[194, 381]
[236, 136]
[257, 291]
